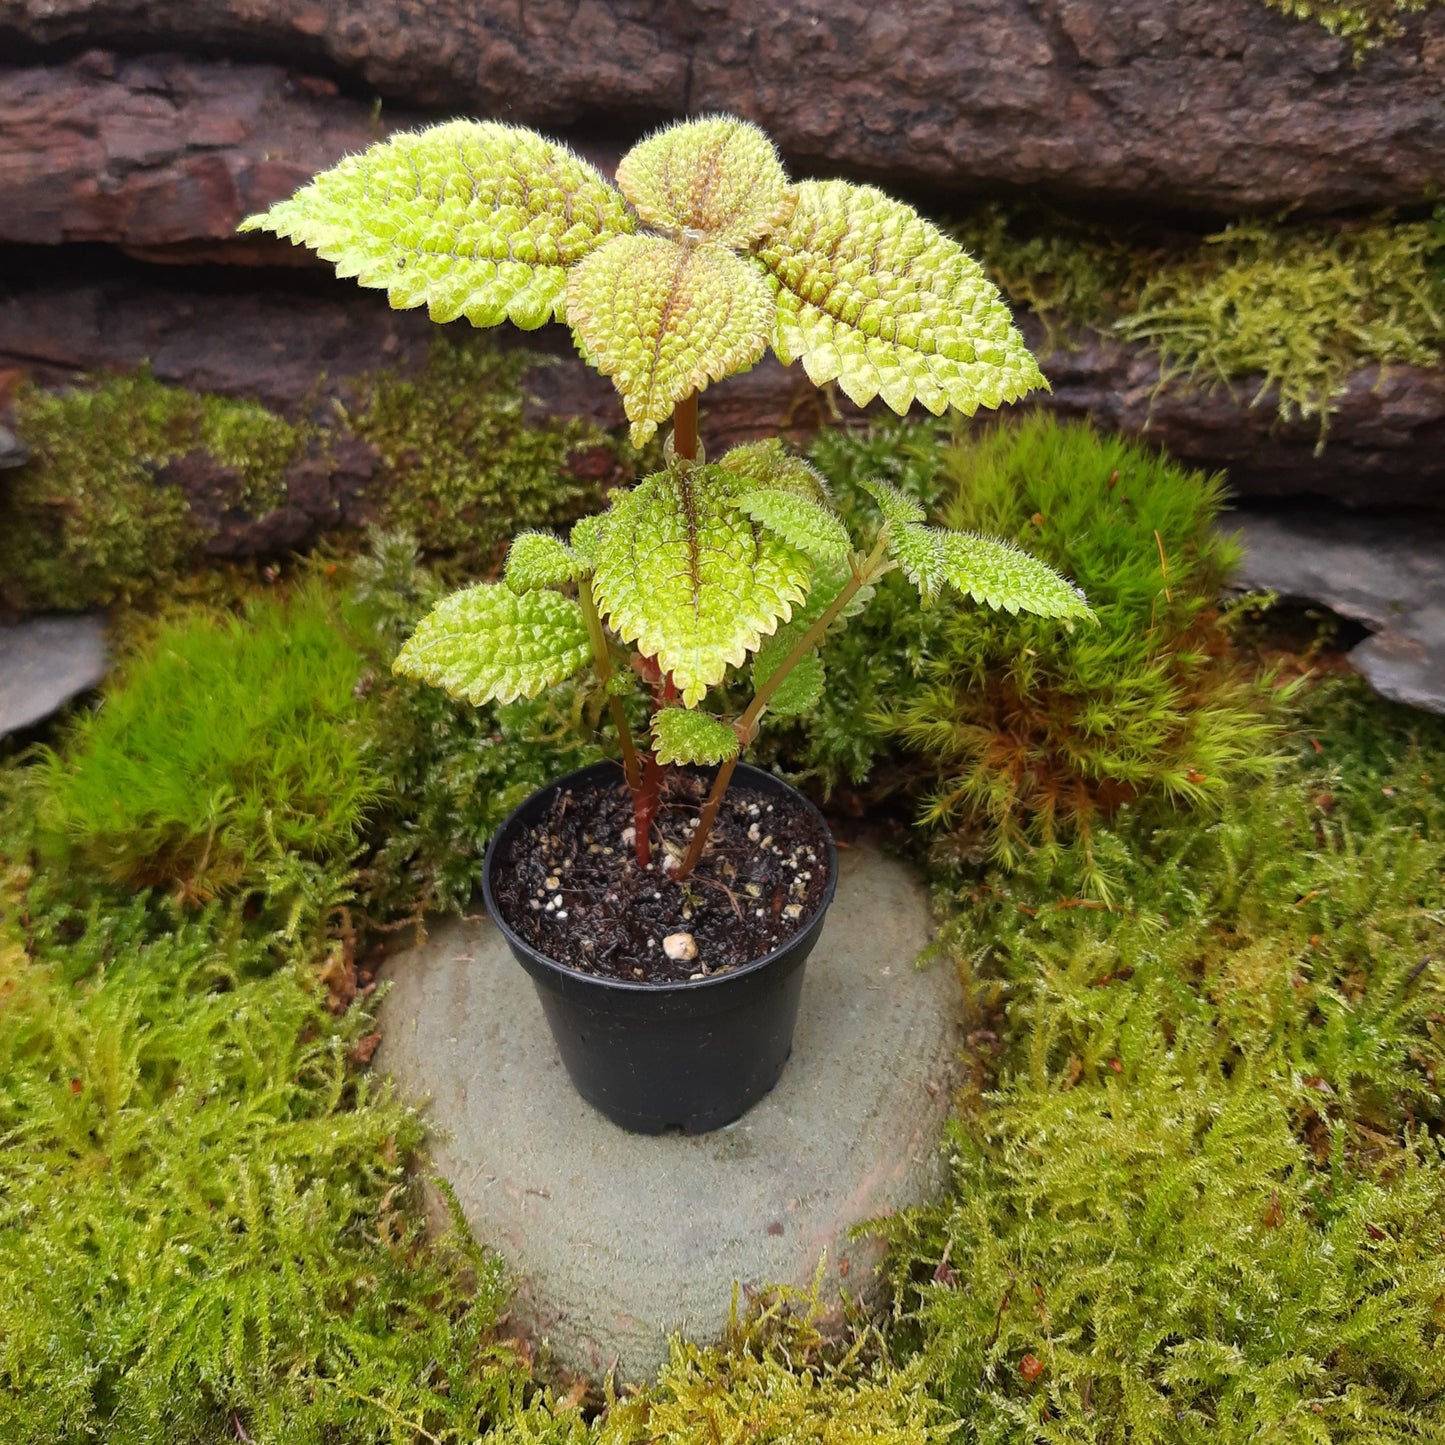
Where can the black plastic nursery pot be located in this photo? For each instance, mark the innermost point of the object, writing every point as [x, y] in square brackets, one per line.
[692, 1055]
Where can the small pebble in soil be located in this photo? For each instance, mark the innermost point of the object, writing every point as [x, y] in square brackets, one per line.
[680, 947]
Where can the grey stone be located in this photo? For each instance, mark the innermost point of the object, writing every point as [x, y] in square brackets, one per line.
[46, 661]
[13, 451]
[1384, 570]
[617, 1239]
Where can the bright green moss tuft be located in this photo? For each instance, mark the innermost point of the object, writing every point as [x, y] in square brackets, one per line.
[1020, 732]
[86, 522]
[779, 1380]
[228, 758]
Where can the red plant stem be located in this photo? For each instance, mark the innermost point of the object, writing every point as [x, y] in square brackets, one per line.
[684, 428]
[603, 663]
[645, 803]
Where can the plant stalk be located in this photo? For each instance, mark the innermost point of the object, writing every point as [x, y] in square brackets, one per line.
[747, 724]
[600, 656]
[684, 428]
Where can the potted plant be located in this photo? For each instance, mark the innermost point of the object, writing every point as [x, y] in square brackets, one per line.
[665, 907]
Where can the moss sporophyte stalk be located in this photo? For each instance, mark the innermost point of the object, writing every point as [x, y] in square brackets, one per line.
[699, 258]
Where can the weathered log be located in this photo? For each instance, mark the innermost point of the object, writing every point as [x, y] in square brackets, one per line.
[1210, 105]
[1384, 445]
[291, 345]
[163, 155]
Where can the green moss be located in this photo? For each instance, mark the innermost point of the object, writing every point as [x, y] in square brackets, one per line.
[85, 522]
[1201, 1191]
[1365, 23]
[1294, 308]
[464, 469]
[206, 1228]
[1062, 269]
[1020, 732]
[228, 758]
[1300, 309]
[778, 1380]
[454, 771]
[1207, 1196]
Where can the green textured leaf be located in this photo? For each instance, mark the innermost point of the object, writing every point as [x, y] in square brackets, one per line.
[716, 179]
[690, 581]
[487, 644]
[871, 295]
[538, 559]
[470, 218]
[918, 551]
[663, 320]
[829, 579]
[1000, 575]
[898, 507]
[801, 690]
[770, 465]
[807, 525]
[586, 537]
[681, 735]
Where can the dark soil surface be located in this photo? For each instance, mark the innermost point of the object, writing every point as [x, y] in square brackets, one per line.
[572, 888]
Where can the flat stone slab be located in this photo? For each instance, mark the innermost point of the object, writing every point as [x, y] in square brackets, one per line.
[618, 1240]
[1386, 570]
[46, 661]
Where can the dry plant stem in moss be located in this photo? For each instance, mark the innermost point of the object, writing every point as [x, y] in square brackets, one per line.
[685, 272]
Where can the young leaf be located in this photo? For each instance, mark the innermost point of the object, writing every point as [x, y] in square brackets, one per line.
[898, 507]
[684, 736]
[871, 295]
[806, 524]
[801, 689]
[919, 551]
[663, 320]
[829, 579]
[538, 559]
[690, 581]
[769, 464]
[586, 537]
[716, 179]
[470, 218]
[487, 644]
[1000, 575]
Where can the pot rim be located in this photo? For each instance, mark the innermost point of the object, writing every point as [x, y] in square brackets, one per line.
[688, 985]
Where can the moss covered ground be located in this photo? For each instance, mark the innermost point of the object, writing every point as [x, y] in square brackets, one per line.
[1197, 1186]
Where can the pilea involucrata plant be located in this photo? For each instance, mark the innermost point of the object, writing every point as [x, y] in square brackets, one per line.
[699, 258]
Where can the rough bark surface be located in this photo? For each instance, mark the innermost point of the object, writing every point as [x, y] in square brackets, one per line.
[164, 156]
[1213, 105]
[294, 345]
[1385, 445]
